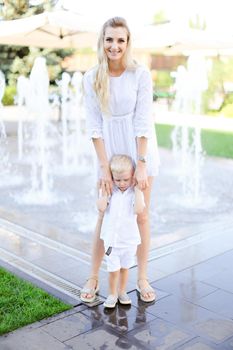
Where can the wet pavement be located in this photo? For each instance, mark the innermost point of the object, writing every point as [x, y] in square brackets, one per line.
[190, 263]
[193, 311]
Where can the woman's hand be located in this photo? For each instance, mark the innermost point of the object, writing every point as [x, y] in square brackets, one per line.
[105, 182]
[140, 176]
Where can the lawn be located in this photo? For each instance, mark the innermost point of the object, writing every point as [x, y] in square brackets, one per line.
[214, 143]
[22, 303]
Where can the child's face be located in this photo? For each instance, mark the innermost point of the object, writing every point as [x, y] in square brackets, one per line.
[123, 180]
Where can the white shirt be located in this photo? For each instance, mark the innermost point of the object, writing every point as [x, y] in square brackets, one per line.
[119, 227]
[131, 115]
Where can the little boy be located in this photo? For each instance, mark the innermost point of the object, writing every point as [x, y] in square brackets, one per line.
[119, 228]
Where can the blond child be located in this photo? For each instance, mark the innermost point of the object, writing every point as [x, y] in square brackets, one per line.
[119, 230]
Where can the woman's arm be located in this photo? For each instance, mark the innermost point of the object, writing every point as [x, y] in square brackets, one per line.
[102, 201]
[106, 177]
[140, 174]
[143, 125]
[139, 203]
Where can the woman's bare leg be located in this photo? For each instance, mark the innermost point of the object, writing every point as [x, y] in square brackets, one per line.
[143, 248]
[96, 257]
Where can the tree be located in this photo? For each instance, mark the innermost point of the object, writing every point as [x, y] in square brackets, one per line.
[160, 18]
[13, 9]
[18, 60]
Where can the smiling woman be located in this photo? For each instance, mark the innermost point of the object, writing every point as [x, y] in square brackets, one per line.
[115, 45]
[118, 101]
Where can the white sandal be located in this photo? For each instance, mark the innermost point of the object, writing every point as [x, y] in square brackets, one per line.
[146, 290]
[91, 291]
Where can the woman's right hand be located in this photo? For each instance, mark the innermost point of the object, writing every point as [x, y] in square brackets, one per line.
[105, 182]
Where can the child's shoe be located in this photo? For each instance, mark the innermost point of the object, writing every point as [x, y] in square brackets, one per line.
[111, 301]
[124, 299]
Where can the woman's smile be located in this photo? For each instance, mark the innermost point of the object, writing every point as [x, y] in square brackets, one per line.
[115, 43]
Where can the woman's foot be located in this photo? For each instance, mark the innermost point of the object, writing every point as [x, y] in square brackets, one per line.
[88, 292]
[146, 292]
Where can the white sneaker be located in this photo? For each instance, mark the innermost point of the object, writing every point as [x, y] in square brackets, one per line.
[111, 301]
[124, 299]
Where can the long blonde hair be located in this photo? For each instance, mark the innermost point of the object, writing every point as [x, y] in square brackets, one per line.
[101, 81]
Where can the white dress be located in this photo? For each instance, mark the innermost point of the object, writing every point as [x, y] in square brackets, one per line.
[131, 115]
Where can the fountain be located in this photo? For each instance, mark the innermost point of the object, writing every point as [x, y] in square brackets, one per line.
[22, 99]
[2, 90]
[83, 157]
[39, 144]
[190, 84]
[4, 155]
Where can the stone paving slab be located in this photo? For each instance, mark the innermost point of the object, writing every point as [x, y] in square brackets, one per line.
[172, 322]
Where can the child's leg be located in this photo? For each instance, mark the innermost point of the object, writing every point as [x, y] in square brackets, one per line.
[113, 282]
[111, 300]
[123, 279]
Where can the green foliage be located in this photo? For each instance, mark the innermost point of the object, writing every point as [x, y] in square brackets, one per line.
[221, 71]
[12, 9]
[197, 22]
[214, 143]
[21, 303]
[227, 111]
[160, 17]
[163, 80]
[16, 60]
[23, 65]
[8, 98]
[217, 143]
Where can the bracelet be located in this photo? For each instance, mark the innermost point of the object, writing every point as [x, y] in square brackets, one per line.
[142, 159]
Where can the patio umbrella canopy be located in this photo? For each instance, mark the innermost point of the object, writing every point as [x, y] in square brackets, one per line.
[57, 29]
[170, 38]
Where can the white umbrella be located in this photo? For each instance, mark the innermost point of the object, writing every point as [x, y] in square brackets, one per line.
[57, 29]
[171, 38]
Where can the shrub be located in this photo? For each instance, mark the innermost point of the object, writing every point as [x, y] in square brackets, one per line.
[227, 111]
[8, 98]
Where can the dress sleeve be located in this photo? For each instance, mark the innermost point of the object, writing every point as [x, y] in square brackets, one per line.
[143, 111]
[94, 122]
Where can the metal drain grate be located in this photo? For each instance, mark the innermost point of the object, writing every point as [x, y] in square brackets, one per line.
[46, 277]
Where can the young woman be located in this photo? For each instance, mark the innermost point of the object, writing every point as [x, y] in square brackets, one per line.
[118, 101]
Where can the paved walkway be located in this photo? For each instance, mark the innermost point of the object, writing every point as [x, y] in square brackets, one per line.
[194, 311]
[190, 263]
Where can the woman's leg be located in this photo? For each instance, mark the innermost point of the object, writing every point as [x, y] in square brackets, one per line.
[96, 258]
[143, 248]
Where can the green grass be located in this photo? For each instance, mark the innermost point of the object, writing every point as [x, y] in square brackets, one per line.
[214, 143]
[21, 303]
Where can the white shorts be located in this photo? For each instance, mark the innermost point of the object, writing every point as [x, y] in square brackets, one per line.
[121, 258]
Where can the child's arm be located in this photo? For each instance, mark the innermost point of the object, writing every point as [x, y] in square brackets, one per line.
[102, 201]
[139, 203]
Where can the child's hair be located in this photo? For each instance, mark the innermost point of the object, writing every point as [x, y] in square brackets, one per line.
[120, 163]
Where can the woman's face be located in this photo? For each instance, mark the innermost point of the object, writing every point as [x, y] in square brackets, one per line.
[115, 43]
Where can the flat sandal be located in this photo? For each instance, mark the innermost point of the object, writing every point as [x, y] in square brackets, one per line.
[146, 290]
[91, 291]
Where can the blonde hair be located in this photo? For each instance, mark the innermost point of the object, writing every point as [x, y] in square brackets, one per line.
[120, 163]
[101, 82]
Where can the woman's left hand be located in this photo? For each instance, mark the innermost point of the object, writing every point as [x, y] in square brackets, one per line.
[140, 176]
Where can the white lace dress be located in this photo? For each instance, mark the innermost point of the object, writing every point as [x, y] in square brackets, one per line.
[131, 115]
